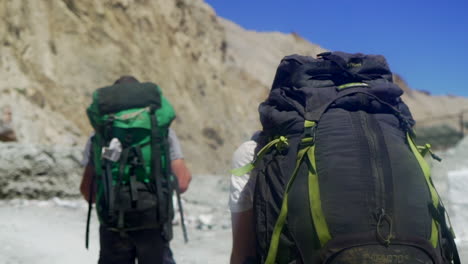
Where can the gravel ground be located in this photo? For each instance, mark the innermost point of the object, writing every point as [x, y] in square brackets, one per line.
[52, 231]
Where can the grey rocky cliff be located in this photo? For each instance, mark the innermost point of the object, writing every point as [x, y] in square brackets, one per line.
[39, 172]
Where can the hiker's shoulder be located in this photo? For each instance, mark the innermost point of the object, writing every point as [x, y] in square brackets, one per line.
[250, 144]
[245, 150]
[172, 134]
[247, 146]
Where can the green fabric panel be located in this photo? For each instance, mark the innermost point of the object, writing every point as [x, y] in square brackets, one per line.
[280, 142]
[273, 249]
[133, 118]
[349, 85]
[318, 216]
[427, 174]
[166, 113]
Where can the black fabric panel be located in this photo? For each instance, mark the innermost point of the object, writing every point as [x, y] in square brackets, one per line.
[317, 74]
[350, 191]
[269, 195]
[346, 185]
[382, 171]
[286, 68]
[406, 113]
[318, 98]
[411, 194]
[386, 91]
[273, 175]
[280, 122]
[260, 207]
[144, 214]
[123, 96]
[299, 221]
[360, 66]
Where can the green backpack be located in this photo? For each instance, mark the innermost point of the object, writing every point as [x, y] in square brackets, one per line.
[134, 187]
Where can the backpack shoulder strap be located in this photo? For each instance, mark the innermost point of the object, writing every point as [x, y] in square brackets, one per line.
[306, 152]
[156, 161]
[90, 209]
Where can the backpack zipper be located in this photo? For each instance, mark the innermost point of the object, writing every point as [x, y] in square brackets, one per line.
[383, 206]
[374, 161]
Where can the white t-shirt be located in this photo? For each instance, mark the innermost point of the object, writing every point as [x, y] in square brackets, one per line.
[242, 187]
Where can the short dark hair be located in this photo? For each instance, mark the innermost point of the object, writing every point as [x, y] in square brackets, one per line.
[126, 79]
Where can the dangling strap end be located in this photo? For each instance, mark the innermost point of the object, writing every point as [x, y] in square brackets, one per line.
[434, 156]
[243, 170]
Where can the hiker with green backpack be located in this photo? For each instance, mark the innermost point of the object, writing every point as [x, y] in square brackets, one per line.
[335, 176]
[133, 166]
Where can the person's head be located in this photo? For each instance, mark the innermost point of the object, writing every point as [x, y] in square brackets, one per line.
[126, 79]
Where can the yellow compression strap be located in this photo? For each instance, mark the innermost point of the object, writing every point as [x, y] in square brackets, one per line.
[279, 143]
[314, 196]
[309, 124]
[427, 174]
[349, 85]
[316, 211]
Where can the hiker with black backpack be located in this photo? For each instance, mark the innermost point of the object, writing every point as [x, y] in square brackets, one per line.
[133, 165]
[338, 178]
[241, 202]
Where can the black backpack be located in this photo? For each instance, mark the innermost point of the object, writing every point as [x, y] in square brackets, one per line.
[338, 176]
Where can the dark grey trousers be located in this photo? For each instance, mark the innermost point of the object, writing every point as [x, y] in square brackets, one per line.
[146, 246]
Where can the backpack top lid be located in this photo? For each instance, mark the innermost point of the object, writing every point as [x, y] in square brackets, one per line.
[303, 84]
[338, 67]
[121, 102]
[122, 96]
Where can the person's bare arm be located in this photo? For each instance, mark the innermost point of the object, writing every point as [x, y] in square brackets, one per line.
[182, 173]
[243, 237]
[86, 182]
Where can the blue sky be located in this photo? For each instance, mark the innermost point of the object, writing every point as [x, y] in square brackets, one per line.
[426, 42]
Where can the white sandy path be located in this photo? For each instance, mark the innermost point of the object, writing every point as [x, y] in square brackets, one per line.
[41, 233]
[44, 233]
[49, 232]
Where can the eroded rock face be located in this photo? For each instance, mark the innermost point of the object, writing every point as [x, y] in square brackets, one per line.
[39, 172]
[54, 54]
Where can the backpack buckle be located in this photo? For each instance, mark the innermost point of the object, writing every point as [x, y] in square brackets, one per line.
[310, 127]
[137, 157]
